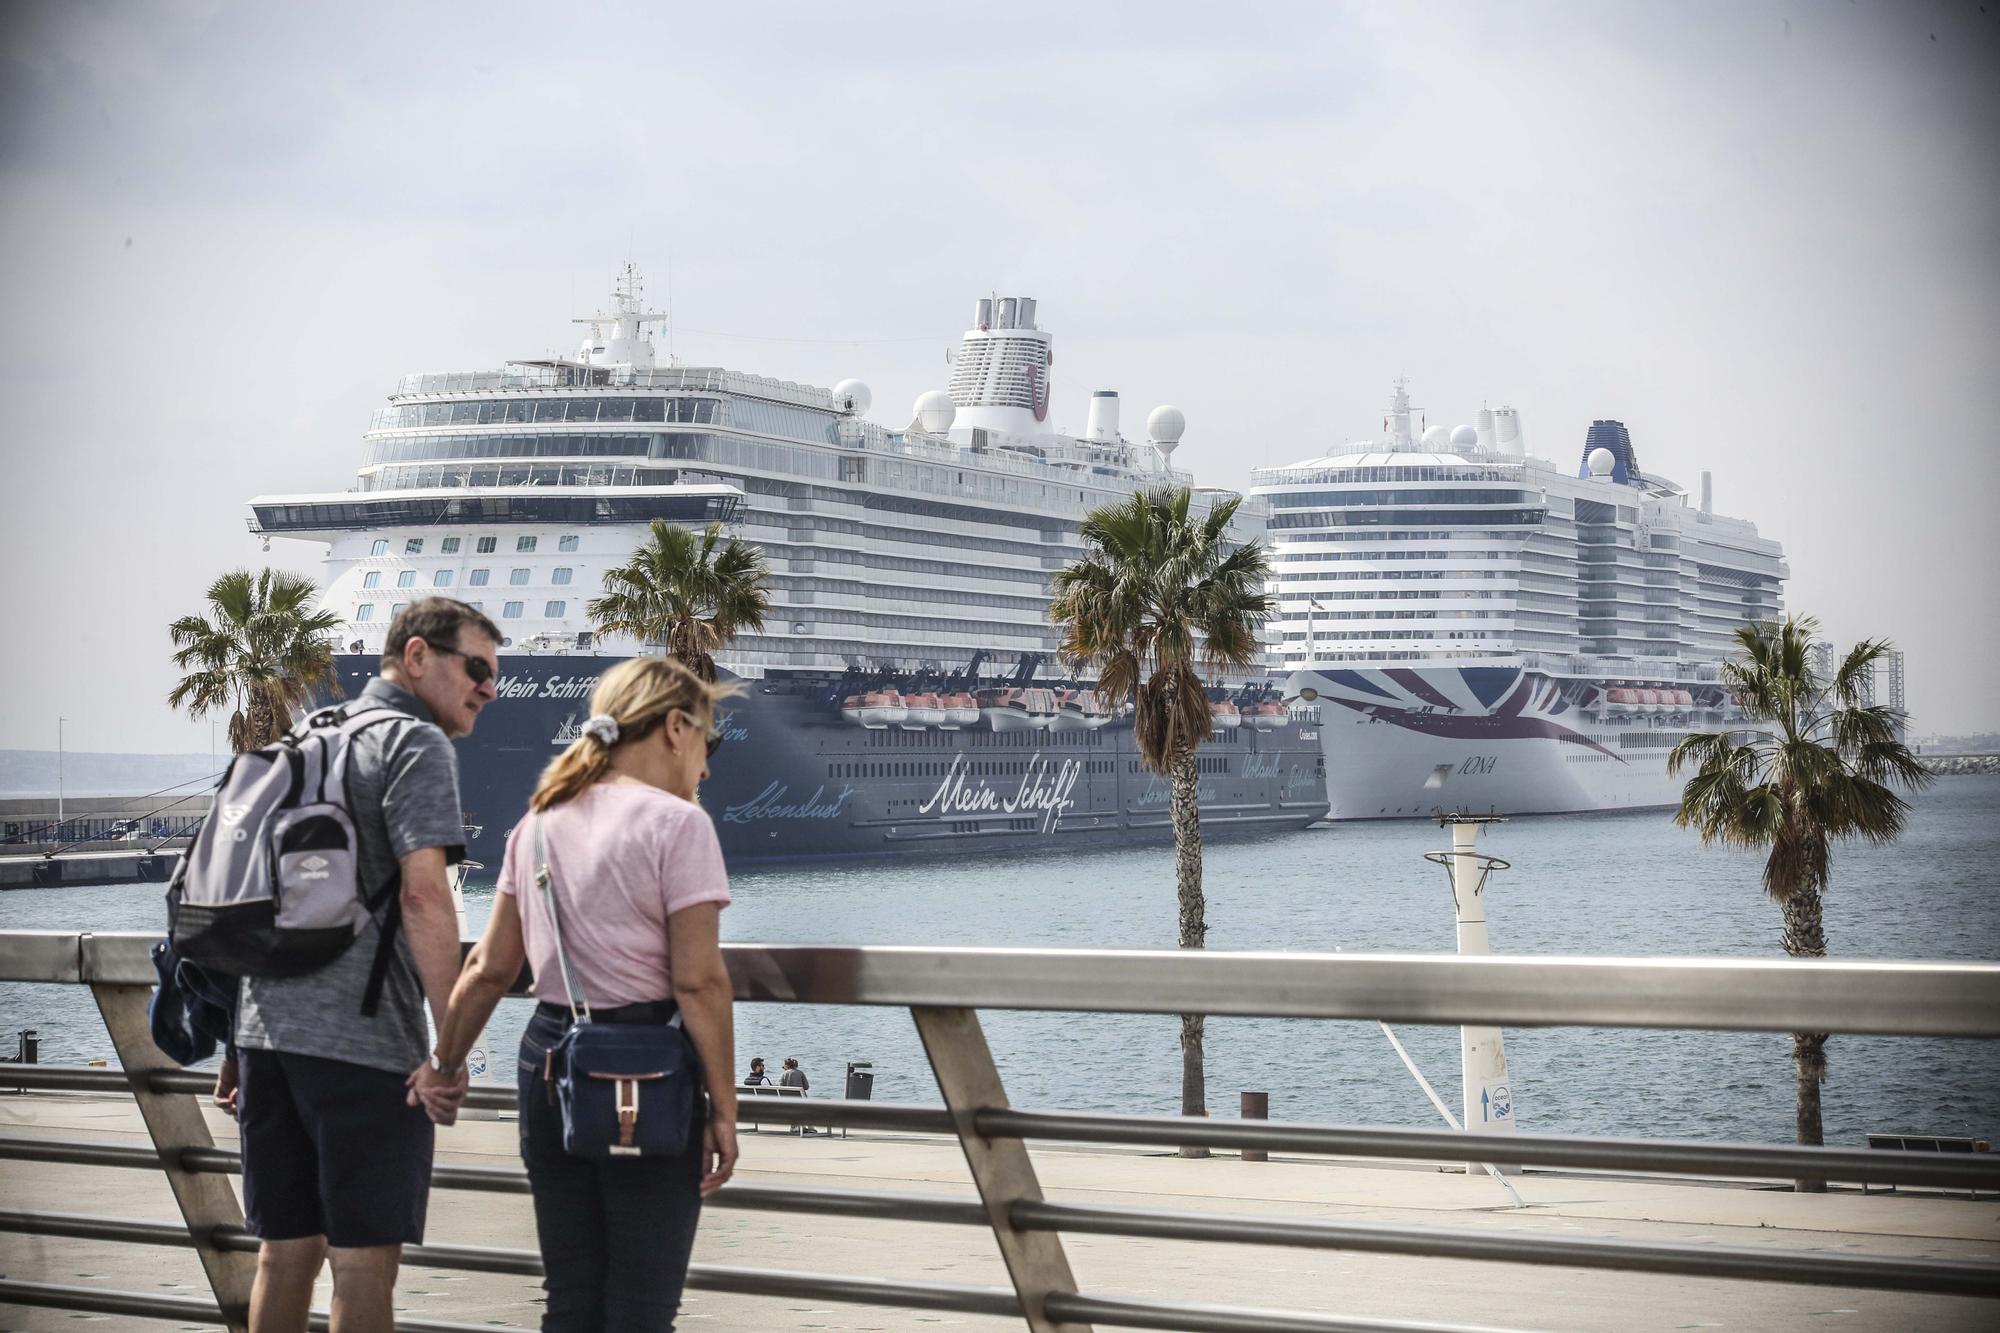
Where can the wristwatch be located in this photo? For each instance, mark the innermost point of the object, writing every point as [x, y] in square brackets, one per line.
[441, 1067]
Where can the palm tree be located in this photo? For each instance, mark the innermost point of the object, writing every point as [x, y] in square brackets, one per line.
[1160, 597]
[261, 652]
[1821, 768]
[679, 590]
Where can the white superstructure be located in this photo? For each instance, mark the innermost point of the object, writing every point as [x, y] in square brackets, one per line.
[1497, 632]
[517, 488]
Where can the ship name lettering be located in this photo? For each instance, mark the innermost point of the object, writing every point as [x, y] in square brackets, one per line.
[1045, 788]
[1479, 765]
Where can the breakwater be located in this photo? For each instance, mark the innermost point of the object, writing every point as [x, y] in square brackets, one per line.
[1960, 765]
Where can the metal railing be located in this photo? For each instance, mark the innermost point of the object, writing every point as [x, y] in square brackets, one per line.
[945, 988]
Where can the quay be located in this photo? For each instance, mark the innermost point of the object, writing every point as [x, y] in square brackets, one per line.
[1415, 1196]
[985, 1215]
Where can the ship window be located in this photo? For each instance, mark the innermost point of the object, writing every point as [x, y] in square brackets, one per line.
[381, 547]
[650, 409]
[561, 575]
[555, 609]
[485, 545]
[372, 579]
[414, 546]
[524, 543]
[511, 611]
[477, 578]
[581, 409]
[365, 611]
[615, 409]
[396, 609]
[517, 577]
[549, 409]
[449, 546]
[521, 409]
[407, 579]
[442, 579]
[566, 542]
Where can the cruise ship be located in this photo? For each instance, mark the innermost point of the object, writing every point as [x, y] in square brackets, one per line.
[1485, 631]
[902, 695]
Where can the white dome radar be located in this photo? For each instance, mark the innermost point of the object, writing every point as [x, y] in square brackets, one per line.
[934, 412]
[1437, 440]
[1601, 461]
[851, 398]
[1464, 437]
[1164, 427]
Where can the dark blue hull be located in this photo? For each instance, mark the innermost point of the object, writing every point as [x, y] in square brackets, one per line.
[795, 780]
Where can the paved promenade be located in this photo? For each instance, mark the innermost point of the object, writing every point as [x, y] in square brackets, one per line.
[1501, 1295]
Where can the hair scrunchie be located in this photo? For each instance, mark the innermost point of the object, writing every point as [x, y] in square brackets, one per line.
[602, 728]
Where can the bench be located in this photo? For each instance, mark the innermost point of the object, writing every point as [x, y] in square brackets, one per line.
[769, 1090]
[1925, 1143]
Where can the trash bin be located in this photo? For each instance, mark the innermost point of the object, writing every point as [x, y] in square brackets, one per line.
[860, 1083]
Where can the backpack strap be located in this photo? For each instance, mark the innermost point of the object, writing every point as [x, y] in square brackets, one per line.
[385, 944]
[389, 922]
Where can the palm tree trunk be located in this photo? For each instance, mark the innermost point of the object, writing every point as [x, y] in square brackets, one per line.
[1194, 930]
[1805, 937]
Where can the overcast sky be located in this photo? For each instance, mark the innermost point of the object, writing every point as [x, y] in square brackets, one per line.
[1764, 235]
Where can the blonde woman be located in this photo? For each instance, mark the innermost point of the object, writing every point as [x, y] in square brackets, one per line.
[640, 889]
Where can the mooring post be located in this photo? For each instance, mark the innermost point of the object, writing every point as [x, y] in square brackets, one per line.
[1255, 1106]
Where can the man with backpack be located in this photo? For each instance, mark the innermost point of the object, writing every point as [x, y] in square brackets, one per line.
[336, 1153]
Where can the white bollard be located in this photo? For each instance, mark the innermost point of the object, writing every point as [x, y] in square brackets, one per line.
[1487, 1096]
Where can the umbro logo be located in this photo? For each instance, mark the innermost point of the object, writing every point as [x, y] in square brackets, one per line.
[314, 863]
[233, 814]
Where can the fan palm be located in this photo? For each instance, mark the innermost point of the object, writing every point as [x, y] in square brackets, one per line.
[260, 652]
[1160, 597]
[1821, 767]
[680, 590]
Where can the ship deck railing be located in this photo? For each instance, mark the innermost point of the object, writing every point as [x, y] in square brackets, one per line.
[945, 990]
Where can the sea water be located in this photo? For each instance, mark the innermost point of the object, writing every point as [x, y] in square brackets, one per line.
[1617, 884]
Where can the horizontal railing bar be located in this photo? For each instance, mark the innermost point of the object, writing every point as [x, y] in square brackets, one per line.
[1748, 994]
[1646, 1156]
[1874, 1272]
[888, 1207]
[1078, 1308]
[146, 1305]
[527, 1263]
[1747, 1161]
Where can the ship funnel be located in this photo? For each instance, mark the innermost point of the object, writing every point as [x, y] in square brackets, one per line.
[1103, 424]
[1507, 431]
[1009, 313]
[1707, 492]
[1485, 428]
[982, 314]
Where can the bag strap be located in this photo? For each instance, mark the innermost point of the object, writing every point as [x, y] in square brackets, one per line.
[579, 1006]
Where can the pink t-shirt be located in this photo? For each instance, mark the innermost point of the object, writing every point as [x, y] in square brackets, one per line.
[625, 856]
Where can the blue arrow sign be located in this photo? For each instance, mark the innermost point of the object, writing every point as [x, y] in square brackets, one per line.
[1482, 1105]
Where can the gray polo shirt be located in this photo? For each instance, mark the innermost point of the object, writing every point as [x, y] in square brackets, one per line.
[403, 780]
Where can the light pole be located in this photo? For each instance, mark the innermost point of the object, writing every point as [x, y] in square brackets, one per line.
[59, 775]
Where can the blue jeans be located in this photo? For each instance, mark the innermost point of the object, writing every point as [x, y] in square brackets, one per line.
[615, 1235]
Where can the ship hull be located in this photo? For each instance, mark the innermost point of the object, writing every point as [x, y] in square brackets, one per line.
[1419, 741]
[795, 780]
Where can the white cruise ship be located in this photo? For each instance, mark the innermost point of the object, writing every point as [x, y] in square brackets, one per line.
[1486, 631]
[902, 695]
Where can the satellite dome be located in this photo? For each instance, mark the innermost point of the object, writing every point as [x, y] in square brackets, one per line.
[1437, 440]
[851, 398]
[1601, 461]
[934, 412]
[1165, 425]
[1464, 437]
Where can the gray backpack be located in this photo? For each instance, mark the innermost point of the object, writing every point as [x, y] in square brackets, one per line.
[271, 884]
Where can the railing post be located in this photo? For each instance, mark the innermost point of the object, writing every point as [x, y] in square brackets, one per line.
[1001, 1168]
[174, 1120]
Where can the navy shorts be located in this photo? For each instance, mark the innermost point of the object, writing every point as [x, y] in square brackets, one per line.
[331, 1149]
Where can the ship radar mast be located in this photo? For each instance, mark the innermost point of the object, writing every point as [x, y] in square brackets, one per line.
[1401, 439]
[620, 337]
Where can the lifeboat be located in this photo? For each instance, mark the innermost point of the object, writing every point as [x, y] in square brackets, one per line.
[1265, 715]
[1621, 700]
[1041, 707]
[850, 709]
[1683, 699]
[883, 708]
[1224, 716]
[960, 710]
[924, 711]
[1078, 710]
[1003, 710]
[1648, 700]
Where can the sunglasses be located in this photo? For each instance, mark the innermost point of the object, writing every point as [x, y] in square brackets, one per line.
[714, 737]
[477, 669]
